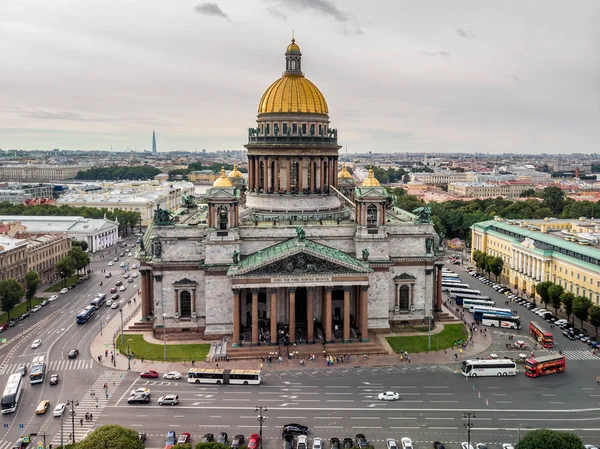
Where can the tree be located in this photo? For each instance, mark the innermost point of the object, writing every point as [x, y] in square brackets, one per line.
[581, 308]
[497, 266]
[81, 243]
[32, 282]
[489, 260]
[65, 267]
[549, 439]
[555, 292]
[595, 317]
[11, 293]
[213, 445]
[111, 437]
[117, 172]
[567, 299]
[554, 198]
[80, 258]
[527, 193]
[542, 290]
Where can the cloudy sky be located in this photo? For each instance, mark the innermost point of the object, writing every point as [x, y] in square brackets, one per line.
[398, 75]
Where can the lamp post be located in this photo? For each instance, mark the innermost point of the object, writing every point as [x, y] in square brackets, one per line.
[164, 337]
[468, 416]
[261, 419]
[121, 310]
[128, 358]
[73, 404]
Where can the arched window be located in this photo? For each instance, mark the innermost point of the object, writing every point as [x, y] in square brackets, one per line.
[404, 297]
[371, 215]
[185, 303]
[223, 217]
[293, 65]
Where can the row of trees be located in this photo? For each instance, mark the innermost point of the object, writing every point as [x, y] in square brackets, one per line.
[489, 264]
[128, 220]
[117, 173]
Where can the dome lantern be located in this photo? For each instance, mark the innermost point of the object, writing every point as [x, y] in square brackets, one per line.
[293, 59]
[235, 173]
[223, 181]
[370, 180]
[344, 173]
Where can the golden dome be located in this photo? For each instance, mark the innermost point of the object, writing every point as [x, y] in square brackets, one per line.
[370, 181]
[235, 173]
[293, 93]
[293, 47]
[344, 173]
[223, 181]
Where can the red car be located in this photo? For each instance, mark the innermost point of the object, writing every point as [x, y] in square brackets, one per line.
[150, 374]
[185, 437]
[254, 441]
[3, 327]
[113, 290]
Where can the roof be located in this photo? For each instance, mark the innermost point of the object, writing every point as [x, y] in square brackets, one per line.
[54, 224]
[293, 93]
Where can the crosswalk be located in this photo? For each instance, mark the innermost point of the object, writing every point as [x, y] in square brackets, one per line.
[54, 365]
[577, 354]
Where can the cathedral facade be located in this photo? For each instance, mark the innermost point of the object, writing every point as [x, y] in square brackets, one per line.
[297, 244]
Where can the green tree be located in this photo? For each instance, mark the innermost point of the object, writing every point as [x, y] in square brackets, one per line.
[479, 257]
[554, 199]
[567, 299]
[80, 258]
[65, 267]
[32, 282]
[116, 172]
[111, 436]
[555, 293]
[549, 439]
[213, 445]
[81, 243]
[595, 317]
[542, 290]
[527, 193]
[581, 308]
[489, 260]
[11, 293]
[497, 266]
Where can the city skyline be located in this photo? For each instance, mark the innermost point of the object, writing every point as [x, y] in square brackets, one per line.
[425, 77]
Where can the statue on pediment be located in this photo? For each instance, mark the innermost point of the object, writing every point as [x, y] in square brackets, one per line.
[300, 233]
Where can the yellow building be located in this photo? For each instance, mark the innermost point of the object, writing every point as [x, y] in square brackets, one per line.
[563, 251]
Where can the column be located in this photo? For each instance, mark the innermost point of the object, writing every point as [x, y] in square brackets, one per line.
[289, 175]
[346, 314]
[300, 174]
[322, 173]
[273, 293]
[364, 319]
[310, 337]
[176, 301]
[145, 292]
[256, 172]
[193, 301]
[543, 270]
[254, 316]
[327, 317]
[357, 305]
[236, 318]
[276, 175]
[439, 289]
[292, 297]
[251, 174]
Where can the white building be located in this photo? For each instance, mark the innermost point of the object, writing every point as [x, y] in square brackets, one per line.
[38, 172]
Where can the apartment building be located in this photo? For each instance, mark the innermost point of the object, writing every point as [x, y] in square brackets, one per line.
[44, 252]
[13, 258]
[38, 172]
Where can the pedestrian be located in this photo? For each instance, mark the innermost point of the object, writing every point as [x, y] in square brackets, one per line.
[106, 353]
[455, 356]
[81, 422]
[193, 361]
[91, 417]
[107, 395]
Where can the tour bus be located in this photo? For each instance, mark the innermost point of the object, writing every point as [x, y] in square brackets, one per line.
[490, 309]
[547, 364]
[466, 291]
[541, 335]
[478, 368]
[469, 304]
[85, 314]
[503, 321]
[460, 297]
[449, 274]
[98, 301]
[38, 370]
[446, 287]
[451, 281]
[12, 393]
[223, 376]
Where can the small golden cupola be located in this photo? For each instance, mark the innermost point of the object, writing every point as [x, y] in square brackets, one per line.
[235, 173]
[223, 181]
[345, 174]
[370, 180]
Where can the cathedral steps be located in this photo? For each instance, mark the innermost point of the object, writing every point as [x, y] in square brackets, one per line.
[140, 326]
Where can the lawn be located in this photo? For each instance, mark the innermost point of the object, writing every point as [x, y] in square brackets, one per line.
[19, 309]
[150, 351]
[59, 285]
[440, 341]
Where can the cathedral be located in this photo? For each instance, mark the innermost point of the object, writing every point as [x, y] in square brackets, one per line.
[297, 245]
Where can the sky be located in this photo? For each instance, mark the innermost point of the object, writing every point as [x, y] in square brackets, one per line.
[398, 76]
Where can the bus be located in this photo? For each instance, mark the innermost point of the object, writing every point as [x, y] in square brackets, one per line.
[451, 281]
[490, 309]
[466, 291]
[12, 393]
[446, 287]
[449, 275]
[223, 376]
[98, 301]
[478, 368]
[459, 298]
[468, 303]
[505, 322]
[38, 370]
[85, 314]
[541, 335]
[547, 364]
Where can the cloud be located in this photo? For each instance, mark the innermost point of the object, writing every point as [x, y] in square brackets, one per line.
[210, 9]
[466, 34]
[435, 53]
[275, 11]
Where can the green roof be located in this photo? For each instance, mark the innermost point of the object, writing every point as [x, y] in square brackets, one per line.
[294, 246]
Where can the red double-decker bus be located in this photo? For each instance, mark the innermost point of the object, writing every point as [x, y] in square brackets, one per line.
[548, 364]
[541, 335]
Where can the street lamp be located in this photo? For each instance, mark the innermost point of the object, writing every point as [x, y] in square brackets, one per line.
[121, 310]
[261, 419]
[128, 358]
[73, 404]
[164, 337]
[468, 416]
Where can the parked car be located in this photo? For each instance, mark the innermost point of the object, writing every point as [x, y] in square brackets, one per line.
[223, 438]
[208, 438]
[114, 289]
[36, 308]
[334, 443]
[317, 443]
[406, 443]
[3, 327]
[254, 441]
[53, 298]
[237, 441]
[361, 440]
[438, 445]
[348, 443]
[142, 436]
[171, 438]
[390, 443]
[302, 442]
[184, 438]
[64, 290]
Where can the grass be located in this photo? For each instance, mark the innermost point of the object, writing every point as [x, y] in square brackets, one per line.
[439, 341]
[151, 351]
[59, 285]
[19, 309]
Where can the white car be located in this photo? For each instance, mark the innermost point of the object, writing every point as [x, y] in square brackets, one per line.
[317, 443]
[36, 309]
[36, 343]
[137, 391]
[111, 263]
[134, 274]
[388, 396]
[59, 409]
[587, 446]
[560, 322]
[507, 446]
[109, 303]
[122, 288]
[53, 298]
[115, 305]
[406, 443]
[302, 442]
[466, 445]
[64, 290]
[172, 375]
[391, 443]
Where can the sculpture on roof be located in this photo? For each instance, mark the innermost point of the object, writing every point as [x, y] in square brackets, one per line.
[423, 214]
[157, 249]
[236, 256]
[162, 217]
[188, 200]
[365, 254]
[300, 233]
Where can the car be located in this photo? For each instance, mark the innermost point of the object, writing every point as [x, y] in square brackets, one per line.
[480, 446]
[569, 335]
[361, 440]
[438, 445]
[184, 438]
[507, 446]
[20, 444]
[25, 315]
[465, 445]
[73, 353]
[125, 275]
[317, 443]
[223, 438]
[560, 322]
[114, 289]
[406, 443]
[302, 442]
[172, 375]
[254, 441]
[391, 443]
[388, 396]
[108, 303]
[3, 327]
[115, 296]
[36, 308]
[73, 285]
[168, 399]
[590, 446]
[171, 438]
[13, 322]
[348, 443]
[142, 436]
[150, 374]
[134, 274]
[115, 305]
[79, 281]
[22, 370]
[36, 343]
[237, 441]
[122, 254]
[59, 409]
[44, 303]
[53, 298]
[116, 259]
[130, 281]
[54, 379]
[42, 408]
[122, 288]
[288, 442]
[295, 429]
[64, 290]
[145, 391]
[119, 283]
[208, 438]
[138, 399]
[334, 443]
[111, 263]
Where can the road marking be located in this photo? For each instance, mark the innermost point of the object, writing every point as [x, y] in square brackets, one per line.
[438, 418]
[328, 427]
[439, 387]
[443, 428]
[440, 402]
[328, 417]
[439, 394]
[364, 417]
[404, 428]
[365, 427]
[397, 417]
[549, 395]
[498, 394]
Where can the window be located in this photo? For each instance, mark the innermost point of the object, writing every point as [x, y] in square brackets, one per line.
[185, 303]
[371, 215]
[223, 218]
[304, 128]
[267, 131]
[285, 128]
[404, 297]
[294, 128]
[293, 65]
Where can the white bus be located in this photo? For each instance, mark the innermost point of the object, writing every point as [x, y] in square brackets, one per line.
[466, 291]
[505, 322]
[449, 275]
[446, 287]
[478, 368]
[470, 304]
[38, 370]
[489, 309]
[12, 393]
[223, 376]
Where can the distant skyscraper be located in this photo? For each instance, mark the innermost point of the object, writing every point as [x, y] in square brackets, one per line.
[153, 142]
